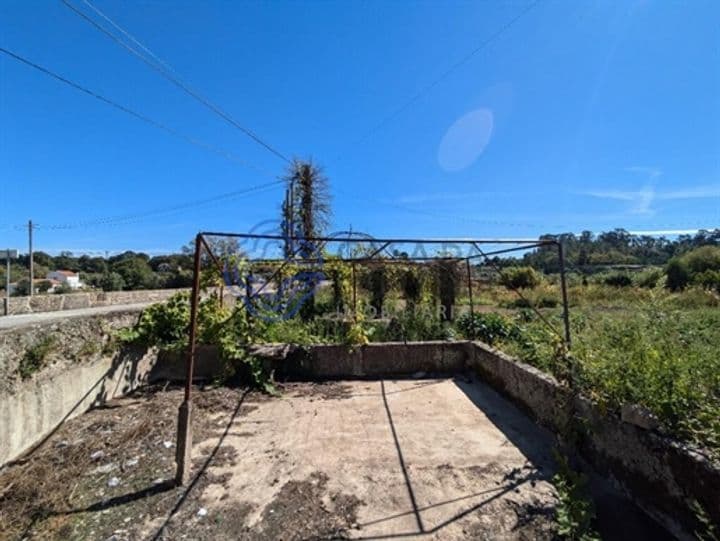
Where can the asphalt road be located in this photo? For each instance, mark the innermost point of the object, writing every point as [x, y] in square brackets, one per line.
[10, 322]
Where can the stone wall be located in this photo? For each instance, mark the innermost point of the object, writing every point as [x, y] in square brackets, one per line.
[85, 299]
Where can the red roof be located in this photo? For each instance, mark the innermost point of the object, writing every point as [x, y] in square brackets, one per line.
[66, 272]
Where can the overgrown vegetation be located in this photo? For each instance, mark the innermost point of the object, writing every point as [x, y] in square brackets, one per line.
[636, 338]
[35, 356]
[166, 326]
[575, 511]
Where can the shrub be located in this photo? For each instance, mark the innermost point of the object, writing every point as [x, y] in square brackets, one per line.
[520, 278]
[678, 275]
[618, 280]
[489, 328]
[575, 512]
[649, 279]
[703, 259]
[414, 326]
[162, 324]
[709, 279]
[35, 356]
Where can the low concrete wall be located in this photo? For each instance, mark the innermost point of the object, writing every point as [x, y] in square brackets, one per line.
[662, 476]
[86, 299]
[81, 368]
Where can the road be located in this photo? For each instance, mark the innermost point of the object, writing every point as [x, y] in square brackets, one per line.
[20, 320]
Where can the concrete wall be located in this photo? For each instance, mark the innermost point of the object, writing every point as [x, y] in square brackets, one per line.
[661, 475]
[87, 299]
[80, 370]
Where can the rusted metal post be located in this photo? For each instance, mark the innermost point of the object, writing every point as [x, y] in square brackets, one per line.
[184, 434]
[563, 287]
[470, 292]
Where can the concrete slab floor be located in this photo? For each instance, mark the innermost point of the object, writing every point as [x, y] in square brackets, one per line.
[432, 459]
[395, 459]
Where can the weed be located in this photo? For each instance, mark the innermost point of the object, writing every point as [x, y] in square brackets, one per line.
[89, 348]
[574, 513]
[35, 356]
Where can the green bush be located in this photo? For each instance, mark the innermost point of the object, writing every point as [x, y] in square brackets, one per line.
[699, 266]
[649, 279]
[412, 326]
[618, 280]
[165, 325]
[520, 278]
[35, 355]
[489, 328]
[575, 512]
[678, 275]
[703, 259]
[708, 279]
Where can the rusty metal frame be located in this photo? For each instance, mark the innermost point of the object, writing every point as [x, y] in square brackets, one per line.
[184, 434]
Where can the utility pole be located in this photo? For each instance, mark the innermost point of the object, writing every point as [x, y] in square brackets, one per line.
[9, 254]
[30, 250]
[291, 203]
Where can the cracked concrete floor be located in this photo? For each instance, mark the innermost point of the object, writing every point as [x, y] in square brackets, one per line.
[433, 459]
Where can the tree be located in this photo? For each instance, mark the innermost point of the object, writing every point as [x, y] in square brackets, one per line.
[305, 214]
[678, 275]
[135, 272]
[112, 281]
[221, 247]
[308, 207]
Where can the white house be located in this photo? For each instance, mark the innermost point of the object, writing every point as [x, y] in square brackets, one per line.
[71, 279]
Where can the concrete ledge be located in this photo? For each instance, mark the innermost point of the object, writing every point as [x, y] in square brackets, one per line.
[371, 360]
[662, 476]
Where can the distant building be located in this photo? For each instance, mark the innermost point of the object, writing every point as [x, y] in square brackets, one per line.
[69, 278]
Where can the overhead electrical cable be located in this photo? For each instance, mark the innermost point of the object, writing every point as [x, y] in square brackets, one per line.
[427, 88]
[166, 71]
[192, 140]
[135, 217]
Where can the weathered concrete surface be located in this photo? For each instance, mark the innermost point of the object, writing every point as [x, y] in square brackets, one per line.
[82, 368]
[86, 299]
[661, 475]
[367, 361]
[429, 459]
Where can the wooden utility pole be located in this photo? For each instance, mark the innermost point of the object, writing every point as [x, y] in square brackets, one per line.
[30, 253]
[9, 254]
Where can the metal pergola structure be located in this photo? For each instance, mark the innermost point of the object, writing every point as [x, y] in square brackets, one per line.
[379, 246]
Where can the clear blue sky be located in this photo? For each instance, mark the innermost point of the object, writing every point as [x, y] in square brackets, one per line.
[579, 115]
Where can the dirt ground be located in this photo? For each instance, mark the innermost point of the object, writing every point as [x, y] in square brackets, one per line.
[436, 459]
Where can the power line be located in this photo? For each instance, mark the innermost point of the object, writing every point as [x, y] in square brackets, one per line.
[163, 69]
[222, 152]
[130, 37]
[427, 88]
[137, 217]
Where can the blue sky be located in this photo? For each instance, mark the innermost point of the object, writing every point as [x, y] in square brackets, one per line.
[578, 115]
